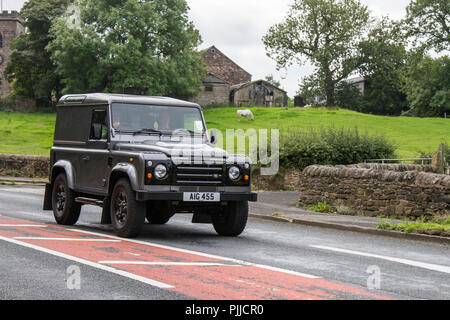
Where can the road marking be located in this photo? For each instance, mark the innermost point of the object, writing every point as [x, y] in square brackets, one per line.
[183, 271]
[66, 239]
[91, 264]
[24, 225]
[156, 263]
[206, 255]
[429, 266]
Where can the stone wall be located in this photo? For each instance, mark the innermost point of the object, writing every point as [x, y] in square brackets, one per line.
[356, 189]
[286, 180]
[24, 166]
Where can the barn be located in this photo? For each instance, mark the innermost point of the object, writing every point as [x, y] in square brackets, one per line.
[258, 93]
[227, 82]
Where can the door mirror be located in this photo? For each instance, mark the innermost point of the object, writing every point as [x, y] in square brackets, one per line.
[213, 136]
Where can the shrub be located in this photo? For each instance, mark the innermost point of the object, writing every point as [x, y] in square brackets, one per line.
[331, 146]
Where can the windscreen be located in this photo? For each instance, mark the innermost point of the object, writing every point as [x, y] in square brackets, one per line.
[137, 117]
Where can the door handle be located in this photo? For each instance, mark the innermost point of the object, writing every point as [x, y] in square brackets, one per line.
[85, 158]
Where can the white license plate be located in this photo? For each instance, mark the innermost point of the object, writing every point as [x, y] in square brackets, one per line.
[201, 197]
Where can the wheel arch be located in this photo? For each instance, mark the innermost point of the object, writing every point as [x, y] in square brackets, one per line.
[123, 171]
[65, 167]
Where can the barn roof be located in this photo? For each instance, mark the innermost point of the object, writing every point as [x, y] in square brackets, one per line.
[243, 85]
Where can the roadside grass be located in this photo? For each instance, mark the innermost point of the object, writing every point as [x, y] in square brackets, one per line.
[32, 133]
[432, 227]
[321, 207]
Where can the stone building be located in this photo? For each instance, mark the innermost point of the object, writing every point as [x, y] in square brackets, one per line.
[259, 93]
[214, 90]
[227, 82]
[224, 68]
[11, 27]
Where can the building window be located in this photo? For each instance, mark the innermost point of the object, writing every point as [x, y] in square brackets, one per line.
[1, 40]
[209, 88]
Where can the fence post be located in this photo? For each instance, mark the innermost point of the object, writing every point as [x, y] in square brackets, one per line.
[438, 162]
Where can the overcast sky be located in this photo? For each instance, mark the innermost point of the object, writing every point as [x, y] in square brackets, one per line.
[236, 27]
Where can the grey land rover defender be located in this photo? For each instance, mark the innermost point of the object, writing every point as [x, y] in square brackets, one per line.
[143, 158]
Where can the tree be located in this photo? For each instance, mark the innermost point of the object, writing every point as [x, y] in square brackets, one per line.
[30, 69]
[271, 80]
[427, 86]
[129, 46]
[428, 21]
[384, 57]
[325, 33]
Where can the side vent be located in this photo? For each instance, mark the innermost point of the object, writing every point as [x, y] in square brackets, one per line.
[110, 162]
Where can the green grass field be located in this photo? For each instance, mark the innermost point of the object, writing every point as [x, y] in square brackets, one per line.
[33, 133]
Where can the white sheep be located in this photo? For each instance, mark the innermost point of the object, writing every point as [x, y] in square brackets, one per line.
[245, 113]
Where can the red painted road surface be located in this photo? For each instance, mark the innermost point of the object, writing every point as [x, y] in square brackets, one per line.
[193, 274]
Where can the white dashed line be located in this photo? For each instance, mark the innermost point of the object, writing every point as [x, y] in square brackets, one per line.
[424, 265]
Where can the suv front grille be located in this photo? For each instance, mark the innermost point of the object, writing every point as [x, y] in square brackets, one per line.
[199, 175]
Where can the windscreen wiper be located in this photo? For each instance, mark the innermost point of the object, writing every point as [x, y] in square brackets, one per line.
[146, 130]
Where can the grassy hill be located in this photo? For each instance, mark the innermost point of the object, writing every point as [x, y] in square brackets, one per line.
[33, 133]
[410, 135]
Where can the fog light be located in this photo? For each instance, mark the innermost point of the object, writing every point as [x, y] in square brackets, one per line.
[246, 177]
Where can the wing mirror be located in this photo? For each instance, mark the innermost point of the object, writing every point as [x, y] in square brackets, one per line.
[213, 138]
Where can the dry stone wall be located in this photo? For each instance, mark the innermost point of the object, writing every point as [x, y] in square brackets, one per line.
[24, 166]
[372, 192]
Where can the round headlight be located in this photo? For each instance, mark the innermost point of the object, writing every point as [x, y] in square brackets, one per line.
[160, 171]
[234, 173]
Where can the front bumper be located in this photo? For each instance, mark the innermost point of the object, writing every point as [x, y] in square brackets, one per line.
[178, 196]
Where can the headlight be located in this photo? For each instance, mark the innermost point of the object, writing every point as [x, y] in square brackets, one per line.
[160, 171]
[234, 173]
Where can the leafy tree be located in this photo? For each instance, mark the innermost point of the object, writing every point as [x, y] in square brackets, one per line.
[30, 69]
[427, 85]
[129, 46]
[349, 97]
[271, 79]
[324, 32]
[384, 55]
[428, 21]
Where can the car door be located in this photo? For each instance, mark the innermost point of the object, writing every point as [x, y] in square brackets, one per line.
[94, 160]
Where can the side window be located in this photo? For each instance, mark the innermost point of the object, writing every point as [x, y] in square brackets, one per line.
[99, 127]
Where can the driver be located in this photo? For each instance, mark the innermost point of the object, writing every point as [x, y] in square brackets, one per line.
[164, 121]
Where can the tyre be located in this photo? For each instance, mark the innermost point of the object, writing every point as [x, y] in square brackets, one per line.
[158, 212]
[127, 214]
[65, 210]
[233, 220]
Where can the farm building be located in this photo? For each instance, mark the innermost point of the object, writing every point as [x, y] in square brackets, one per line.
[260, 93]
[214, 90]
[227, 82]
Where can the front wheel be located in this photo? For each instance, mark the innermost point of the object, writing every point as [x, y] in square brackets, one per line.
[233, 220]
[127, 214]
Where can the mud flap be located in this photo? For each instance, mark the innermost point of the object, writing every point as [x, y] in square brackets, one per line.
[106, 214]
[48, 197]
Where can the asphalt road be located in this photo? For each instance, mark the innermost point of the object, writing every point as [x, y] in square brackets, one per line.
[180, 260]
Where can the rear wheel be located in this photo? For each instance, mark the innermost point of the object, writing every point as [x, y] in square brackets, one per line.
[65, 210]
[233, 220]
[127, 214]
